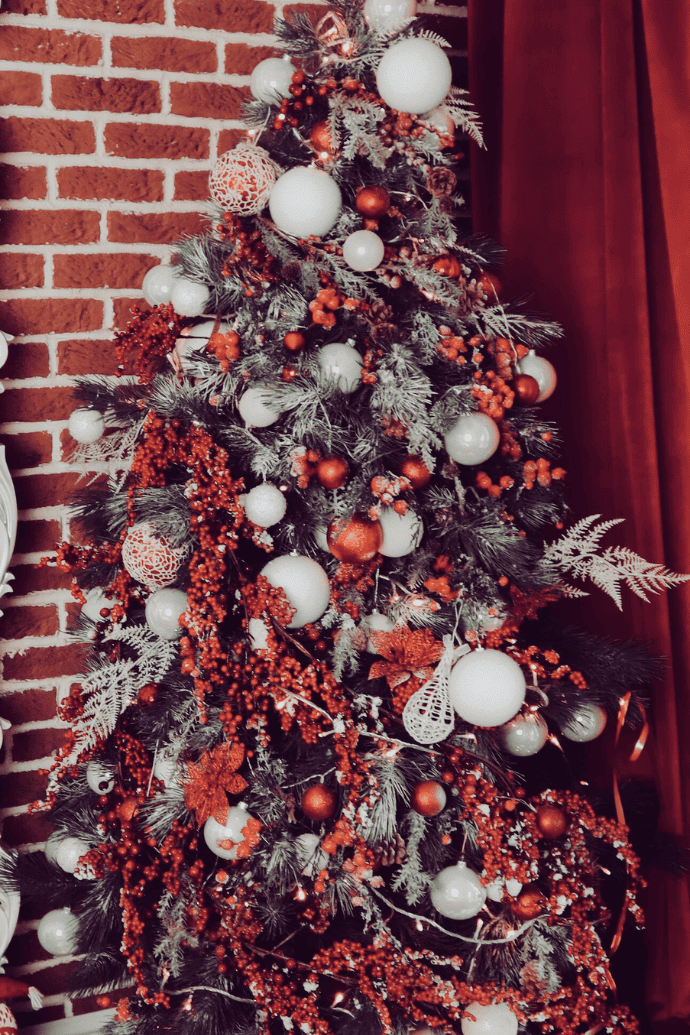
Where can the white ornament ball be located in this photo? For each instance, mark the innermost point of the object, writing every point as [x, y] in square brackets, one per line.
[376, 622]
[402, 533]
[494, 1019]
[150, 558]
[305, 202]
[363, 250]
[340, 365]
[163, 611]
[486, 687]
[194, 339]
[414, 75]
[69, 852]
[524, 735]
[472, 439]
[265, 505]
[587, 723]
[242, 179]
[271, 80]
[258, 408]
[86, 425]
[215, 833]
[189, 297]
[388, 15]
[311, 858]
[305, 584]
[158, 285]
[96, 601]
[100, 777]
[51, 846]
[542, 371]
[57, 931]
[321, 538]
[441, 120]
[457, 892]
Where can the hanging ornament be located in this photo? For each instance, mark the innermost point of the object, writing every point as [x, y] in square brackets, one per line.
[311, 858]
[457, 892]
[440, 120]
[388, 15]
[100, 776]
[497, 890]
[305, 202]
[294, 341]
[271, 79]
[332, 472]
[487, 688]
[493, 1019]
[96, 604]
[150, 558]
[428, 798]
[586, 723]
[319, 802]
[164, 608]
[258, 407]
[530, 903]
[242, 179]
[158, 285]
[340, 365]
[374, 623]
[68, 853]
[524, 735]
[552, 822]
[355, 540]
[57, 932]
[86, 425]
[526, 389]
[414, 76]
[189, 297]
[428, 716]
[373, 202]
[363, 251]
[265, 505]
[320, 533]
[415, 470]
[226, 839]
[542, 371]
[473, 439]
[320, 139]
[402, 533]
[305, 584]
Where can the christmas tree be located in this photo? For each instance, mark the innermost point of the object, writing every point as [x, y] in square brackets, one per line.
[318, 593]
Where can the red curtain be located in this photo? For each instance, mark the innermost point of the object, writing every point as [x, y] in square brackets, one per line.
[586, 182]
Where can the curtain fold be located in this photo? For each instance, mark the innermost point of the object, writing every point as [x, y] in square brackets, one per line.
[586, 182]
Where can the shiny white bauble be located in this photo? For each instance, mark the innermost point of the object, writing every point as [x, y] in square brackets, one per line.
[231, 830]
[363, 250]
[341, 365]
[494, 1019]
[457, 892]
[388, 15]
[195, 339]
[311, 858]
[265, 505]
[100, 776]
[376, 622]
[486, 687]
[96, 601]
[86, 425]
[258, 408]
[498, 888]
[305, 202]
[543, 372]
[189, 297]
[68, 853]
[441, 120]
[271, 80]
[587, 723]
[321, 538]
[305, 584]
[402, 533]
[57, 931]
[163, 611]
[524, 735]
[472, 439]
[414, 75]
[158, 285]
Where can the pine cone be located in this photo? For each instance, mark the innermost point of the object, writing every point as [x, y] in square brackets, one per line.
[441, 182]
[391, 854]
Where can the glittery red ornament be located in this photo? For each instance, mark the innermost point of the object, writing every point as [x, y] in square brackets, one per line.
[294, 341]
[355, 541]
[415, 470]
[526, 389]
[490, 285]
[447, 266]
[332, 472]
[428, 798]
[552, 822]
[320, 137]
[319, 802]
[373, 202]
[529, 903]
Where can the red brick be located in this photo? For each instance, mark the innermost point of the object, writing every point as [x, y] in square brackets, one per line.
[191, 186]
[207, 100]
[45, 662]
[51, 45]
[101, 184]
[47, 136]
[242, 60]
[27, 359]
[122, 308]
[127, 11]
[24, 830]
[229, 138]
[83, 93]
[231, 15]
[35, 744]
[18, 622]
[61, 316]
[152, 227]
[18, 182]
[22, 788]
[21, 88]
[129, 140]
[29, 578]
[313, 11]
[114, 270]
[24, 7]
[28, 705]
[38, 535]
[95, 356]
[24, 404]
[53, 980]
[170, 54]
[50, 226]
[27, 450]
[21, 271]
[46, 1015]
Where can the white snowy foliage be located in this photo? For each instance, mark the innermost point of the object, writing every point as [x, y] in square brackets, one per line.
[460, 110]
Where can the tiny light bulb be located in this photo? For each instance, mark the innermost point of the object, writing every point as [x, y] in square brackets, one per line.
[339, 996]
[301, 895]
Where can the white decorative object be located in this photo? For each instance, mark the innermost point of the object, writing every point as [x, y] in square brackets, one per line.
[473, 439]
[376, 622]
[86, 425]
[492, 1019]
[258, 634]
[8, 499]
[100, 777]
[587, 723]
[498, 888]
[194, 339]
[341, 364]
[68, 853]
[305, 584]
[402, 533]
[165, 765]
[305, 201]
[524, 735]
[271, 79]
[189, 297]
[441, 120]
[542, 371]
[487, 687]
[258, 408]
[321, 537]
[265, 505]
[51, 846]
[163, 611]
[56, 932]
[96, 602]
[363, 250]
[414, 75]
[428, 715]
[457, 892]
[151, 558]
[311, 858]
[216, 833]
[5, 725]
[388, 15]
[242, 179]
[158, 285]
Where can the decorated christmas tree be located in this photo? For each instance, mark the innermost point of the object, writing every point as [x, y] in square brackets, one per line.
[318, 591]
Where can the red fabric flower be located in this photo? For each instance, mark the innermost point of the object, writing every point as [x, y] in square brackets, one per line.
[211, 779]
[406, 652]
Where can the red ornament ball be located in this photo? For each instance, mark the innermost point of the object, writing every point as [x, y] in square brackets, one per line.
[355, 541]
[529, 904]
[332, 472]
[552, 822]
[447, 266]
[293, 341]
[320, 137]
[415, 470]
[526, 389]
[373, 202]
[490, 285]
[319, 802]
[428, 798]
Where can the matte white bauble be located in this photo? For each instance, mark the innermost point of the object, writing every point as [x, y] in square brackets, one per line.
[100, 776]
[376, 622]
[587, 723]
[69, 852]
[265, 505]
[52, 844]
[163, 611]
[305, 584]
[363, 250]
[388, 15]
[86, 425]
[457, 892]
[341, 365]
[271, 80]
[524, 735]
[439, 119]
[472, 439]
[494, 1019]
[402, 533]
[57, 931]
[305, 202]
[414, 75]
[158, 285]
[96, 601]
[321, 538]
[311, 858]
[193, 340]
[189, 297]
[486, 687]
[258, 408]
[542, 371]
[215, 833]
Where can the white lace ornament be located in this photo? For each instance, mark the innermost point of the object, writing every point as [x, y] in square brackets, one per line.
[242, 179]
[428, 716]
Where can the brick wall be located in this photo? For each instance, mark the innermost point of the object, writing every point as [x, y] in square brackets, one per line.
[115, 112]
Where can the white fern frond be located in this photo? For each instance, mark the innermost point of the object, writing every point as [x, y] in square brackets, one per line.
[433, 37]
[463, 114]
[641, 576]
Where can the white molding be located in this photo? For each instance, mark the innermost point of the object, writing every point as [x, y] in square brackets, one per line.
[86, 1024]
